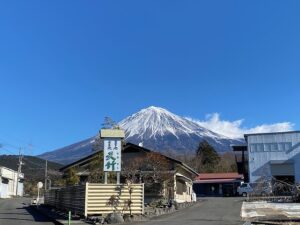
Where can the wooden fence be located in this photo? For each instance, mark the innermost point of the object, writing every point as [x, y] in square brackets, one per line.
[69, 198]
[97, 199]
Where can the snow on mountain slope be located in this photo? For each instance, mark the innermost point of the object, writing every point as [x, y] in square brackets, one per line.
[158, 129]
[154, 121]
[161, 130]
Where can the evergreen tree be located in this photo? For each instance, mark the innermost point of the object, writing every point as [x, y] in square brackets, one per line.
[96, 169]
[71, 177]
[207, 158]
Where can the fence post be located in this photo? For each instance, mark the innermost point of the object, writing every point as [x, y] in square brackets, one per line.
[69, 220]
[86, 199]
[143, 197]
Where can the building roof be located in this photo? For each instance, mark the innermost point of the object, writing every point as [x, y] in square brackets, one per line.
[126, 147]
[213, 181]
[218, 176]
[270, 133]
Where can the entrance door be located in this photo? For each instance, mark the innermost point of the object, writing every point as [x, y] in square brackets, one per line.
[284, 172]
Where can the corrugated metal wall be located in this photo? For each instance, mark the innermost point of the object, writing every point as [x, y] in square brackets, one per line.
[265, 148]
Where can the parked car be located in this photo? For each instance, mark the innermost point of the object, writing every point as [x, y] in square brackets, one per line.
[244, 189]
[258, 189]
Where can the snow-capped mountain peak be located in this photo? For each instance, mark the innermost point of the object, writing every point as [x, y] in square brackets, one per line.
[155, 121]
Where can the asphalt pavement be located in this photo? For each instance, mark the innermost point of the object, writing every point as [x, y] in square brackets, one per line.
[210, 211]
[18, 212]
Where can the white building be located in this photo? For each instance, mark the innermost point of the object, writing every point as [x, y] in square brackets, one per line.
[274, 155]
[8, 183]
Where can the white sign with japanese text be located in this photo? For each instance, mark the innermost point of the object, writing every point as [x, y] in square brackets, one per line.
[112, 154]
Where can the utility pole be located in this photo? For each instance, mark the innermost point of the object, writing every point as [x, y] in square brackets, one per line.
[19, 170]
[46, 174]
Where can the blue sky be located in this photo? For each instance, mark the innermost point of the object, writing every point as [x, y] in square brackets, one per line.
[64, 65]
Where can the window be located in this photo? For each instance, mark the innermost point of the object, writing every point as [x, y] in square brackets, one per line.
[281, 146]
[274, 147]
[267, 147]
[260, 147]
[253, 147]
[287, 146]
[180, 187]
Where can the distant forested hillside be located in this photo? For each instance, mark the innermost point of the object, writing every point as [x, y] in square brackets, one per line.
[33, 169]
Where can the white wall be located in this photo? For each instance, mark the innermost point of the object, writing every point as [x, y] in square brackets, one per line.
[263, 148]
[8, 190]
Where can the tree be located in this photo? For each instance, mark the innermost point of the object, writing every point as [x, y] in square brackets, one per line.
[158, 167]
[207, 158]
[96, 169]
[109, 123]
[227, 163]
[71, 177]
[131, 171]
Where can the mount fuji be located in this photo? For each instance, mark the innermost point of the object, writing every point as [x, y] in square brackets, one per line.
[155, 128]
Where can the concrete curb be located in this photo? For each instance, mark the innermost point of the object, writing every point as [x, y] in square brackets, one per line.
[54, 216]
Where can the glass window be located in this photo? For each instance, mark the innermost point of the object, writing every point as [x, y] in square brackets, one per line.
[260, 147]
[281, 146]
[253, 147]
[287, 146]
[267, 147]
[274, 147]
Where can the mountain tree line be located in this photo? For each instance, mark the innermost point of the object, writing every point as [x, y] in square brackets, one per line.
[207, 160]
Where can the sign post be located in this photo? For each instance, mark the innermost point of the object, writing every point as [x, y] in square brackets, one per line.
[39, 186]
[112, 151]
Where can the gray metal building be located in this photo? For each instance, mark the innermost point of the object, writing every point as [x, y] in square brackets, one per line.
[274, 155]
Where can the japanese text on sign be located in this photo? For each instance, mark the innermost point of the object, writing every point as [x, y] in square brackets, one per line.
[112, 154]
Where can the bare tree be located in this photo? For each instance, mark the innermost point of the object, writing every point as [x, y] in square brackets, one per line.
[132, 170]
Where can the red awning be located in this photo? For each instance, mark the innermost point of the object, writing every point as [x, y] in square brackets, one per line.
[215, 181]
[214, 176]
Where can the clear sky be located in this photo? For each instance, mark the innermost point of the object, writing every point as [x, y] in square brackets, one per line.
[64, 65]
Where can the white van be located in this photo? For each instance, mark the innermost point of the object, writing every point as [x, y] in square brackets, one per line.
[259, 189]
[244, 189]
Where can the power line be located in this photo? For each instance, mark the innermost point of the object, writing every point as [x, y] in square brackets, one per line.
[5, 149]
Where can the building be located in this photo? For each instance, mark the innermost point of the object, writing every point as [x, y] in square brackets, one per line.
[217, 184]
[9, 184]
[274, 155]
[181, 175]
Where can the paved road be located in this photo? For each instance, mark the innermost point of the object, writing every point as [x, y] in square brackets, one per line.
[17, 212]
[212, 211]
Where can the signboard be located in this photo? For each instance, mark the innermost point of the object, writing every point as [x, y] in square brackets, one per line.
[112, 133]
[112, 154]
